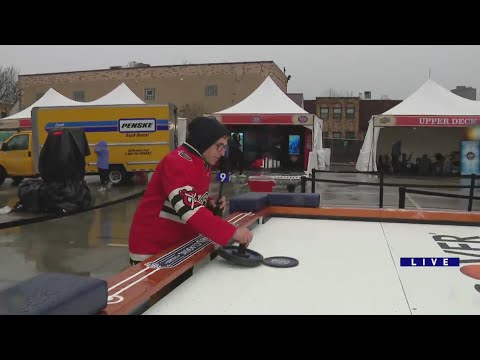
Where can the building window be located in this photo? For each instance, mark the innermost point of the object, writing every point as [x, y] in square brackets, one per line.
[325, 134]
[324, 112]
[150, 94]
[337, 134]
[211, 90]
[337, 112]
[350, 111]
[350, 135]
[39, 95]
[79, 95]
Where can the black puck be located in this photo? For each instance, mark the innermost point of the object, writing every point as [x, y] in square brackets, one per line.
[280, 261]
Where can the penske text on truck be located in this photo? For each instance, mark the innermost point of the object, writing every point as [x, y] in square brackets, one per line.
[137, 136]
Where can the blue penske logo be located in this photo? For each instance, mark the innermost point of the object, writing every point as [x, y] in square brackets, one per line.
[88, 126]
[121, 125]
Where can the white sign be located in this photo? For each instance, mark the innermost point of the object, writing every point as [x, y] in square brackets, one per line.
[136, 125]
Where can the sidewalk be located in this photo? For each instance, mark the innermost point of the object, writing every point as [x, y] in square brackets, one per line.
[8, 197]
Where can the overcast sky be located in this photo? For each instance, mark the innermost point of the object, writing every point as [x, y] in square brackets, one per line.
[392, 70]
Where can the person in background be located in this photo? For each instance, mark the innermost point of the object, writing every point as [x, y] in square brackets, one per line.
[176, 206]
[103, 164]
[396, 153]
[236, 154]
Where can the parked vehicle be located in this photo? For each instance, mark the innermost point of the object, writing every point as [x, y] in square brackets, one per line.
[138, 137]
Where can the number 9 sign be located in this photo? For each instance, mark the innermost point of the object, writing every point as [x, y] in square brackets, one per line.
[222, 177]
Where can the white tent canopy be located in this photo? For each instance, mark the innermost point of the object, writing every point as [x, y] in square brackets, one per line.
[433, 99]
[50, 98]
[118, 96]
[268, 98]
[431, 105]
[268, 104]
[368, 153]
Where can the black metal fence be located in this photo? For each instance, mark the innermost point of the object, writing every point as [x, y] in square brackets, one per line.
[403, 188]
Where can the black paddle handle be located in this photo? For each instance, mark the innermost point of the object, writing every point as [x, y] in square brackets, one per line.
[218, 211]
[242, 249]
[224, 168]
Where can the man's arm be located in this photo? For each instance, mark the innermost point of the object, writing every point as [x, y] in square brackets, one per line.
[189, 205]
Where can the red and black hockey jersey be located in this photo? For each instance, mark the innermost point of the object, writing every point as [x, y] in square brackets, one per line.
[173, 208]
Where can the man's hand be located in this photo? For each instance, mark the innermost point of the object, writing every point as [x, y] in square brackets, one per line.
[243, 236]
[223, 203]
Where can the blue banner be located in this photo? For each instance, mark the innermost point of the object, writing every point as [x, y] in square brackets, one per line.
[429, 261]
[470, 158]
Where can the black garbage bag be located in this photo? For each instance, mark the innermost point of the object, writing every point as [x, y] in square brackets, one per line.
[62, 157]
[61, 165]
[29, 193]
[38, 196]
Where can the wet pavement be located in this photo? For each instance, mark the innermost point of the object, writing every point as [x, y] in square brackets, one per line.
[9, 197]
[90, 243]
[95, 242]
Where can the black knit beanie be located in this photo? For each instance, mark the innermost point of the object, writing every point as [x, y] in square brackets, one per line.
[203, 132]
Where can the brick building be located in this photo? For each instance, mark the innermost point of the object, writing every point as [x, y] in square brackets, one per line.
[340, 116]
[368, 108]
[194, 88]
[5, 110]
[467, 92]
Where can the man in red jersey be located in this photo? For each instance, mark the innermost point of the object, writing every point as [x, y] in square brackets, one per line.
[176, 204]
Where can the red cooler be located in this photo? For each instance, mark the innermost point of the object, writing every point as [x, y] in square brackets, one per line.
[261, 183]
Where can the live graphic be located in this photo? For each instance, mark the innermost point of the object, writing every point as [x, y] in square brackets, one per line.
[429, 261]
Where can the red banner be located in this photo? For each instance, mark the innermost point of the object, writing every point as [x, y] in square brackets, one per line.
[427, 121]
[265, 119]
